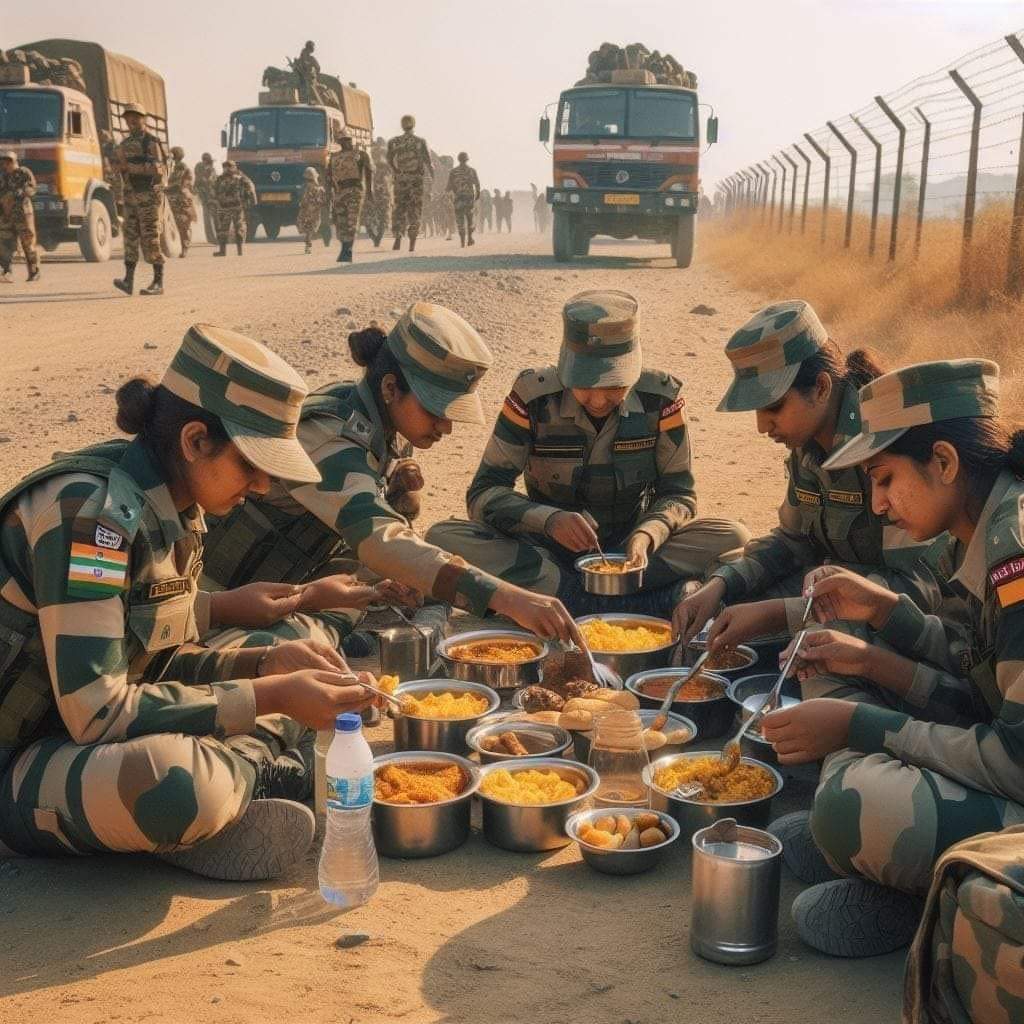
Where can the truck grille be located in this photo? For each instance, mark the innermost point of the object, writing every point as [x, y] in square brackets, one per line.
[289, 175]
[641, 176]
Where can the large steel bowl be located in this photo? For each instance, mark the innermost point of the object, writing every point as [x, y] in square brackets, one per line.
[696, 814]
[713, 717]
[423, 830]
[626, 663]
[445, 734]
[609, 584]
[582, 740]
[550, 740]
[621, 862]
[746, 695]
[531, 828]
[496, 675]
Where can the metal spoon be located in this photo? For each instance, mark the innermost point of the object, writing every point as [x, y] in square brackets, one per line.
[390, 697]
[602, 674]
[662, 717]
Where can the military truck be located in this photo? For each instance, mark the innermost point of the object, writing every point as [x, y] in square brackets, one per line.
[626, 156]
[56, 96]
[275, 142]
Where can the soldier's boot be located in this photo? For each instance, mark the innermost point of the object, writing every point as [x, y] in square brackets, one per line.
[412, 241]
[309, 247]
[398, 242]
[238, 245]
[156, 286]
[33, 271]
[223, 250]
[346, 252]
[126, 284]
[462, 239]
[469, 237]
[5, 274]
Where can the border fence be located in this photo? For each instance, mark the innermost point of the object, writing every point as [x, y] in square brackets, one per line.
[947, 144]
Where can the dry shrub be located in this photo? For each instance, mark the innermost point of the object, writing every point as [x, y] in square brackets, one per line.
[911, 310]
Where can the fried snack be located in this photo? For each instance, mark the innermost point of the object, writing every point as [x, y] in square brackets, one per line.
[654, 739]
[546, 717]
[619, 698]
[576, 721]
[652, 836]
[513, 744]
[446, 706]
[530, 787]
[608, 637]
[579, 688]
[646, 821]
[678, 736]
[598, 837]
[537, 698]
[618, 832]
[745, 782]
[418, 783]
[495, 652]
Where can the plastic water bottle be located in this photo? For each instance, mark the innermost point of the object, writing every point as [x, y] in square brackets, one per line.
[348, 872]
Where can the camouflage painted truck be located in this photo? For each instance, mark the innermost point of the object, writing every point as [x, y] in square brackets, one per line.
[273, 143]
[56, 96]
[626, 154]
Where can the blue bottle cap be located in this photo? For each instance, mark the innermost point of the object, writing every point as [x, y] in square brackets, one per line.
[348, 722]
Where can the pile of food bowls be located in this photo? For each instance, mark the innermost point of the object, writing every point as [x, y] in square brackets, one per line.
[415, 732]
[707, 705]
[503, 659]
[747, 695]
[627, 662]
[610, 575]
[623, 860]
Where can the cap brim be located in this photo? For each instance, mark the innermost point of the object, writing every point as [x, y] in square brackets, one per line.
[458, 406]
[860, 448]
[748, 394]
[582, 370]
[282, 457]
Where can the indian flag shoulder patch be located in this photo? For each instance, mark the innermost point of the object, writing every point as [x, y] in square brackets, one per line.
[1008, 581]
[95, 571]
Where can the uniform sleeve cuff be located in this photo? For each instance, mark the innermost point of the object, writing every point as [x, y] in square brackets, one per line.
[203, 607]
[904, 626]
[657, 529]
[734, 584]
[870, 728]
[236, 707]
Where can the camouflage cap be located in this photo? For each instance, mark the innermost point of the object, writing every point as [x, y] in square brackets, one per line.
[766, 354]
[133, 108]
[254, 393]
[408, 121]
[443, 359]
[600, 347]
[229, 165]
[925, 393]
[177, 151]
[207, 158]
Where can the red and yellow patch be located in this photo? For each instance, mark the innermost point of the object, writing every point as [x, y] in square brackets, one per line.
[515, 411]
[673, 416]
[1008, 581]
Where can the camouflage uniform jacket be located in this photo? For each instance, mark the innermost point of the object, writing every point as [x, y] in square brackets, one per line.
[382, 183]
[235, 192]
[349, 168]
[633, 473]
[343, 434]
[409, 157]
[205, 179]
[98, 603]
[140, 161]
[180, 181]
[989, 574]
[464, 185]
[827, 516]
[17, 188]
[311, 207]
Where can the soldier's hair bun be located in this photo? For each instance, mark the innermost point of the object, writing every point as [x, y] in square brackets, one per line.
[365, 344]
[135, 400]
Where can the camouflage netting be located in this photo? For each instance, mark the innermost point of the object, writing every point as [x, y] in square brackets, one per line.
[47, 70]
[636, 57]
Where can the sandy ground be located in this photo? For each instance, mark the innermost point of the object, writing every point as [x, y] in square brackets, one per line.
[479, 935]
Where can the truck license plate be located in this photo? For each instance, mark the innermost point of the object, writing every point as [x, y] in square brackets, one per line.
[275, 197]
[622, 199]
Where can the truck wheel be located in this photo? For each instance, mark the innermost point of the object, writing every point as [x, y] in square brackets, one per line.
[94, 237]
[683, 243]
[581, 243]
[562, 237]
[170, 240]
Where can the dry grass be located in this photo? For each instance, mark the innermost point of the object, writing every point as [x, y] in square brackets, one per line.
[910, 310]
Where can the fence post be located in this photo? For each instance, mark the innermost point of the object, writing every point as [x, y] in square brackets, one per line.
[782, 193]
[875, 189]
[807, 186]
[897, 188]
[792, 198]
[1015, 272]
[764, 197]
[972, 175]
[926, 148]
[775, 183]
[828, 174]
[853, 182]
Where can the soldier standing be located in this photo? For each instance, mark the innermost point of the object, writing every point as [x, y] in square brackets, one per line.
[409, 160]
[349, 179]
[17, 219]
[307, 69]
[205, 181]
[377, 214]
[507, 206]
[311, 207]
[236, 195]
[181, 198]
[497, 204]
[486, 211]
[464, 186]
[139, 158]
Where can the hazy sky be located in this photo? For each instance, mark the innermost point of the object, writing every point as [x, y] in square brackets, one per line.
[477, 75]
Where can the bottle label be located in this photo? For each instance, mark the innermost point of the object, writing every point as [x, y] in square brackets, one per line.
[343, 793]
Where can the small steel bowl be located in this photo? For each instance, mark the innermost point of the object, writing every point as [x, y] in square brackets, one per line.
[496, 675]
[746, 695]
[621, 862]
[626, 663]
[582, 740]
[423, 830]
[609, 584]
[551, 740]
[745, 655]
[713, 717]
[696, 814]
[530, 828]
[443, 734]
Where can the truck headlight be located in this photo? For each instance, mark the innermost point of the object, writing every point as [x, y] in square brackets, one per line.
[569, 183]
[678, 186]
[574, 198]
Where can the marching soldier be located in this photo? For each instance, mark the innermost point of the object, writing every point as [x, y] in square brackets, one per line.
[206, 181]
[349, 179]
[236, 195]
[181, 198]
[464, 186]
[409, 160]
[17, 218]
[377, 211]
[311, 207]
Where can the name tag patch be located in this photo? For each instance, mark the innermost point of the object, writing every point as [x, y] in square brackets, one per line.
[807, 497]
[168, 588]
[1008, 581]
[846, 497]
[639, 444]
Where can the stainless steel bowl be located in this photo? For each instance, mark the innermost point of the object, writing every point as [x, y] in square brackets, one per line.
[629, 662]
[498, 676]
[534, 827]
[447, 734]
[621, 862]
[550, 740]
[423, 830]
[713, 717]
[695, 814]
[605, 583]
[742, 651]
[746, 695]
[582, 740]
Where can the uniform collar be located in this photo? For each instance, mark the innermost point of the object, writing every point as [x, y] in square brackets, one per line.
[847, 426]
[973, 571]
[570, 409]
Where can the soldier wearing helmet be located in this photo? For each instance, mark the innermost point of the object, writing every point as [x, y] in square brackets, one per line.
[464, 187]
[349, 179]
[409, 160]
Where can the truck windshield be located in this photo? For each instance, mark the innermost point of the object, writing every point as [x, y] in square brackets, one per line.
[628, 113]
[663, 115]
[25, 114]
[284, 128]
[597, 112]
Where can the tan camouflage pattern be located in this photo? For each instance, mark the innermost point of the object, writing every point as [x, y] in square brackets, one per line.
[181, 199]
[377, 208]
[206, 180]
[140, 161]
[349, 179]
[409, 159]
[235, 195]
[311, 208]
[464, 187]
[17, 217]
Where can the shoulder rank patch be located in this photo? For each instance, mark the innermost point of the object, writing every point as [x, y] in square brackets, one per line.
[1008, 581]
[96, 572]
[672, 416]
[516, 411]
[846, 497]
[106, 538]
[807, 497]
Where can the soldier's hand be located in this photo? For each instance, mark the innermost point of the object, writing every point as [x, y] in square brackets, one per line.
[571, 531]
[742, 622]
[842, 594]
[313, 697]
[255, 604]
[295, 655]
[693, 612]
[338, 591]
[809, 731]
[539, 614]
[638, 547]
[830, 652]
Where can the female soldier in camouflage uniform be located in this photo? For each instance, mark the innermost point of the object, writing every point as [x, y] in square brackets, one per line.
[896, 792]
[311, 206]
[118, 733]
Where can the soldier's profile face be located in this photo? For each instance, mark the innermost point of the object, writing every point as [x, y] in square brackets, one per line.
[794, 419]
[922, 499]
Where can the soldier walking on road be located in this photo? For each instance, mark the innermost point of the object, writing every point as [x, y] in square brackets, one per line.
[486, 211]
[17, 219]
[349, 179]
[497, 204]
[311, 207]
[507, 205]
[205, 182]
[139, 158]
[377, 210]
[236, 195]
[181, 198]
[409, 160]
[464, 186]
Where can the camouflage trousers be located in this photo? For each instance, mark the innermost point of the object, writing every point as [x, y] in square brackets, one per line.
[184, 211]
[142, 225]
[228, 217]
[326, 627]
[14, 231]
[376, 218]
[408, 208]
[464, 216]
[347, 205]
[210, 216]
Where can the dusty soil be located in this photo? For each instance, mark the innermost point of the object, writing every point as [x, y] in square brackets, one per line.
[479, 935]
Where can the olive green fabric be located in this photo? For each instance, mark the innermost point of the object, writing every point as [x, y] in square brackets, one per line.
[600, 347]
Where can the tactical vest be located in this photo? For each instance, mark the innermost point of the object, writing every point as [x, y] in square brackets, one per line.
[134, 150]
[346, 169]
[407, 155]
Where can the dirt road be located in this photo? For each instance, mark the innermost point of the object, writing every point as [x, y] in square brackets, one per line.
[479, 936]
